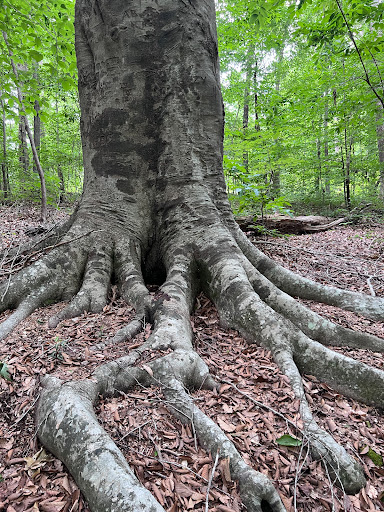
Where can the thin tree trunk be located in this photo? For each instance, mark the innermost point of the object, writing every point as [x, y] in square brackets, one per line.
[347, 170]
[257, 123]
[380, 147]
[4, 162]
[36, 131]
[352, 37]
[275, 175]
[327, 187]
[23, 147]
[249, 64]
[58, 153]
[31, 140]
[245, 126]
[319, 175]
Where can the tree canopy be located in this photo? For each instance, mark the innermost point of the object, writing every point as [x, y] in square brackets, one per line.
[302, 87]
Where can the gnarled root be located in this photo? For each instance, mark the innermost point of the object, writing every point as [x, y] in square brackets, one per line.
[298, 286]
[83, 272]
[69, 429]
[241, 308]
[246, 290]
[78, 440]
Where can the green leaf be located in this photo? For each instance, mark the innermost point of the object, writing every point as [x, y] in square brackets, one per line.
[45, 118]
[287, 440]
[37, 56]
[376, 458]
[254, 18]
[4, 371]
[66, 84]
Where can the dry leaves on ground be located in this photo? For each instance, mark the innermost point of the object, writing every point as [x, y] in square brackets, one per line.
[254, 407]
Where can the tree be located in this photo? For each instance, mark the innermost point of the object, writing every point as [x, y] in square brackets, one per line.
[293, 87]
[37, 88]
[154, 210]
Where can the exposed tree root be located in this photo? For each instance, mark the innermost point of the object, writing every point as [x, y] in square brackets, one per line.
[93, 293]
[309, 322]
[345, 471]
[298, 286]
[91, 456]
[247, 300]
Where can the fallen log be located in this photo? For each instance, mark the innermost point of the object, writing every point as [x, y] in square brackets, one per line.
[293, 225]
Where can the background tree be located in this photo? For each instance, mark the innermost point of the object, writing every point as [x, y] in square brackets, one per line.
[41, 47]
[323, 100]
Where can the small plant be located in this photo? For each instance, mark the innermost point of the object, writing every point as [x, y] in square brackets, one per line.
[57, 350]
[288, 440]
[255, 194]
[262, 230]
[100, 332]
[4, 371]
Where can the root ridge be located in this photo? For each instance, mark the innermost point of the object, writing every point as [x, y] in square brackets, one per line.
[251, 293]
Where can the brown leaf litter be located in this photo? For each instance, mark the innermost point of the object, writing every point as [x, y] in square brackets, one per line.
[254, 407]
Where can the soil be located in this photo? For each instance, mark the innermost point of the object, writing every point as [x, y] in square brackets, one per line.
[255, 406]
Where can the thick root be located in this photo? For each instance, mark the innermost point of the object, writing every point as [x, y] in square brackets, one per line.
[69, 429]
[22, 312]
[298, 286]
[54, 277]
[343, 469]
[243, 309]
[309, 322]
[348, 376]
[247, 299]
[257, 491]
[125, 333]
[172, 306]
[129, 276]
[93, 294]
[34, 300]
[68, 407]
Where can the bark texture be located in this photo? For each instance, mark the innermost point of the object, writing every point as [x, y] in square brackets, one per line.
[154, 209]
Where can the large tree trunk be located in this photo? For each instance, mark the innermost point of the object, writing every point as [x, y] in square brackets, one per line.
[154, 209]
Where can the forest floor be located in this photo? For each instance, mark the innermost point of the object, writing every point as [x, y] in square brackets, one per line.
[164, 453]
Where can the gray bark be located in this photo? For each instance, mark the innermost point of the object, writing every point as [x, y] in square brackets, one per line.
[380, 147]
[154, 209]
[23, 147]
[4, 161]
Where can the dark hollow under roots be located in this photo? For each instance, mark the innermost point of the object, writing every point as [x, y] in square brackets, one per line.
[252, 294]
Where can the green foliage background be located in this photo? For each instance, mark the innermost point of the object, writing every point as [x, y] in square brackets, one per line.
[303, 123]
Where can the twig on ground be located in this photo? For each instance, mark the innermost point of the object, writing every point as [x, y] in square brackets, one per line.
[29, 409]
[260, 404]
[38, 253]
[181, 466]
[134, 430]
[210, 480]
[370, 286]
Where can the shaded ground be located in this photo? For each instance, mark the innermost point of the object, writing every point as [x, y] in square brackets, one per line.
[163, 452]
